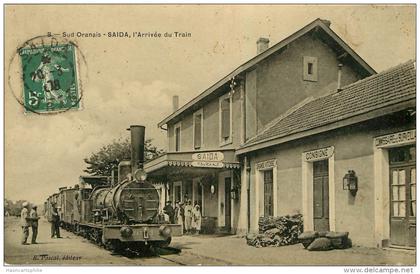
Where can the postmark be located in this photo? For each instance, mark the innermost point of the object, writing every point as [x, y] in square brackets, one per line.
[47, 80]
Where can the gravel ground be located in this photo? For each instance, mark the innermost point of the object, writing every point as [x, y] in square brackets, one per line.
[234, 250]
[187, 250]
[74, 250]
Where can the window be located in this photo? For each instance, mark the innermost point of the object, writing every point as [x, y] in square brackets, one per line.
[310, 68]
[177, 192]
[402, 155]
[198, 129]
[225, 107]
[177, 135]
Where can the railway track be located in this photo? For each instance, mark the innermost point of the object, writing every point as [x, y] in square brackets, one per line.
[155, 252]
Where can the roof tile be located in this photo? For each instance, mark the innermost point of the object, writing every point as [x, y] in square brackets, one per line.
[380, 90]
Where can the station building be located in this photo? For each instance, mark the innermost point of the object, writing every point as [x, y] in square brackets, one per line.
[318, 97]
[346, 161]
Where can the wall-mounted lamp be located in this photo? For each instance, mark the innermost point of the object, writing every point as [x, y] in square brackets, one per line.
[212, 189]
[350, 182]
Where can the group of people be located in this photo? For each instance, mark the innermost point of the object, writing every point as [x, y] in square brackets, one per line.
[186, 215]
[29, 218]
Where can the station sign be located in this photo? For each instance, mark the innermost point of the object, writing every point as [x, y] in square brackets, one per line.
[318, 154]
[213, 156]
[212, 159]
[207, 164]
[266, 164]
[399, 138]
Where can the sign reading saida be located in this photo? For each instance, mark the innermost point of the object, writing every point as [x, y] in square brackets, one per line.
[49, 78]
[208, 159]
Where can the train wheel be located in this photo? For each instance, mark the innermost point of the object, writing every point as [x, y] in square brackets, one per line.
[108, 245]
[98, 236]
[143, 248]
[104, 241]
[117, 246]
[163, 244]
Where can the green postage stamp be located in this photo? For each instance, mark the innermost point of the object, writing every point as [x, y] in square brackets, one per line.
[50, 78]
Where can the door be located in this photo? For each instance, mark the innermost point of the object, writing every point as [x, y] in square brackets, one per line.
[177, 193]
[402, 196]
[321, 196]
[228, 183]
[188, 191]
[199, 196]
[268, 193]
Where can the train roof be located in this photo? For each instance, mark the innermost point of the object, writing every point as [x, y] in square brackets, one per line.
[95, 180]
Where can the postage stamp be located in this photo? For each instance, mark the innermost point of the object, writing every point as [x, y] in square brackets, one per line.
[49, 75]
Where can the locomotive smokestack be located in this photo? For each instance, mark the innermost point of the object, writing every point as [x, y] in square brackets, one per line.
[137, 147]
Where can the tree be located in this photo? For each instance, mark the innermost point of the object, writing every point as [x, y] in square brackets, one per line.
[13, 208]
[102, 162]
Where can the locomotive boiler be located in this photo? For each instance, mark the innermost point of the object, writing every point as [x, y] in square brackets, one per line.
[122, 212]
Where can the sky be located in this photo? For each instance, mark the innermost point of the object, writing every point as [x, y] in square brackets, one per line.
[132, 81]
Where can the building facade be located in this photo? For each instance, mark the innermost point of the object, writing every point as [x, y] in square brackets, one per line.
[346, 161]
[305, 127]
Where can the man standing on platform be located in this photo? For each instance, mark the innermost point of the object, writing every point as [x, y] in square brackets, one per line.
[55, 222]
[169, 210]
[25, 222]
[34, 223]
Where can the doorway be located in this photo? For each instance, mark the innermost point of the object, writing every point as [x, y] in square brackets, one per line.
[321, 196]
[199, 197]
[228, 183]
[268, 193]
[402, 169]
[178, 192]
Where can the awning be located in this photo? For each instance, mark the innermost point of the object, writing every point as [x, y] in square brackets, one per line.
[192, 162]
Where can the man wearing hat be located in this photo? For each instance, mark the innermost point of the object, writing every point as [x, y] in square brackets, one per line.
[55, 222]
[34, 222]
[179, 214]
[169, 210]
[25, 222]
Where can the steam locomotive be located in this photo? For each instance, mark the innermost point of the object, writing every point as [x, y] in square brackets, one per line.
[121, 211]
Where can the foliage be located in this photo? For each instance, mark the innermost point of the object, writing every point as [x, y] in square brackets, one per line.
[102, 162]
[13, 208]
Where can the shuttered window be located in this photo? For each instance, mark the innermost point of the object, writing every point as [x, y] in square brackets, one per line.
[177, 138]
[225, 119]
[198, 129]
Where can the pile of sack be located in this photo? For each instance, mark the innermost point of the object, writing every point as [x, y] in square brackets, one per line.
[323, 241]
[277, 231]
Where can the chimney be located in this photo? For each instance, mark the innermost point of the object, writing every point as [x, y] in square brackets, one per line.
[137, 147]
[175, 103]
[340, 66]
[262, 44]
[326, 22]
